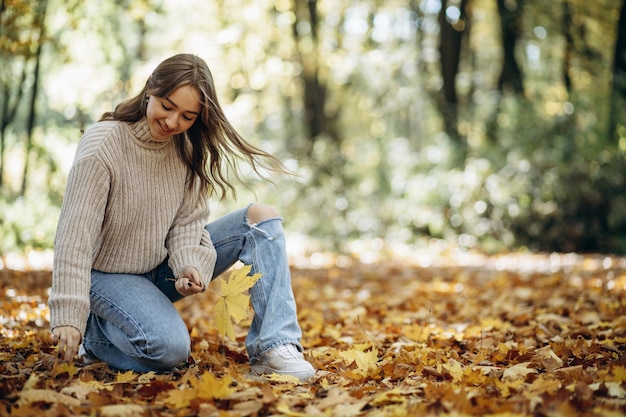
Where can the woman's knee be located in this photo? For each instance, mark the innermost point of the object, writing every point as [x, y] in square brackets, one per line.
[163, 347]
[168, 352]
[258, 212]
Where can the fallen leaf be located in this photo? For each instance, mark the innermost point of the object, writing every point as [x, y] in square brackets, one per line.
[211, 387]
[393, 396]
[32, 381]
[64, 367]
[547, 358]
[545, 384]
[147, 377]
[47, 396]
[506, 387]
[285, 410]
[121, 410]
[81, 389]
[521, 370]
[125, 377]
[454, 368]
[283, 378]
[233, 301]
[614, 389]
[206, 387]
[364, 359]
[618, 374]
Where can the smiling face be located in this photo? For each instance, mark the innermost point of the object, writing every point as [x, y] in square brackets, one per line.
[174, 114]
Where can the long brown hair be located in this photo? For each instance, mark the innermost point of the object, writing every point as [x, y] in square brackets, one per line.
[215, 144]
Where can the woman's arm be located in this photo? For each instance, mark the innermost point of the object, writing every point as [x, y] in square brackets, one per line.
[188, 242]
[79, 225]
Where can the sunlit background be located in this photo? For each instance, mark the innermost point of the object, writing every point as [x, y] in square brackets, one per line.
[415, 127]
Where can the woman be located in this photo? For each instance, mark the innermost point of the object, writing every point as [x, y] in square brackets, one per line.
[133, 218]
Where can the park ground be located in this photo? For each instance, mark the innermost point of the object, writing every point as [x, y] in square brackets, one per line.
[508, 335]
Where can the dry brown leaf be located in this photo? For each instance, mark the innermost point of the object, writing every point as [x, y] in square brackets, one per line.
[122, 410]
[547, 358]
[521, 370]
[47, 396]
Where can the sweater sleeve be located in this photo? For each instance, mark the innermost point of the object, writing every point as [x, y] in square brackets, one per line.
[82, 213]
[188, 242]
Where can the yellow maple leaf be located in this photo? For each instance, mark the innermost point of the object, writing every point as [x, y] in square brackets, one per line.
[234, 301]
[123, 377]
[455, 368]
[283, 378]
[81, 389]
[507, 386]
[205, 387]
[179, 398]
[393, 396]
[364, 360]
[208, 386]
[474, 376]
[63, 367]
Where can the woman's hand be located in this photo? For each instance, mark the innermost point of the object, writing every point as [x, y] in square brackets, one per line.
[67, 339]
[188, 282]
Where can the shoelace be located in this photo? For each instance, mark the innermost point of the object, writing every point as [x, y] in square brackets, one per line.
[288, 350]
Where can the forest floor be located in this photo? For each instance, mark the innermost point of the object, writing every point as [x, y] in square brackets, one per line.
[515, 335]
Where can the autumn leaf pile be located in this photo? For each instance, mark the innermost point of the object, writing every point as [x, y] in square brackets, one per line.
[524, 335]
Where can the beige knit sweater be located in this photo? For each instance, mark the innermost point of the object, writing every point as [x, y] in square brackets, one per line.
[126, 207]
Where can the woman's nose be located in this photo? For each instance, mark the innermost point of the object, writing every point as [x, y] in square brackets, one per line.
[172, 121]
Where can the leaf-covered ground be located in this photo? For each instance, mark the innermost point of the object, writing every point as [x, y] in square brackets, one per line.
[509, 336]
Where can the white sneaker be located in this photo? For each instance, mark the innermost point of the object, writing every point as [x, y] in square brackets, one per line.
[84, 356]
[284, 359]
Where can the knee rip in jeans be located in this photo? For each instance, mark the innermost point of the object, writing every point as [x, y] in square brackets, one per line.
[258, 214]
[257, 227]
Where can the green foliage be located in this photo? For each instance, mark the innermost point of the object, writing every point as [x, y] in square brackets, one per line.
[539, 170]
[28, 223]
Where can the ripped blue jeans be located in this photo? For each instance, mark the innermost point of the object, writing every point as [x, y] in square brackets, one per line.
[136, 326]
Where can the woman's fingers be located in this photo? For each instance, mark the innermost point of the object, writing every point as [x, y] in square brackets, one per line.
[188, 282]
[185, 286]
[67, 339]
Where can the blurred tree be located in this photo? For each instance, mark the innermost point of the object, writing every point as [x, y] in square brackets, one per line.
[320, 121]
[40, 24]
[20, 26]
[453, 24]
[305, 33]
[510, 80]
[510, 12]
[618, 97]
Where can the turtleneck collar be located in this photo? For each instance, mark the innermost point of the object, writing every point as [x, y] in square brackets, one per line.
[143, 137]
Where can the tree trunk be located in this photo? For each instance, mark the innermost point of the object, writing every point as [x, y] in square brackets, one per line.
[314, 90]
[618, 96]
[450, 55]
[32, 111]
[569, 46]
[319, 121]
[450, 46]
[510, 22]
